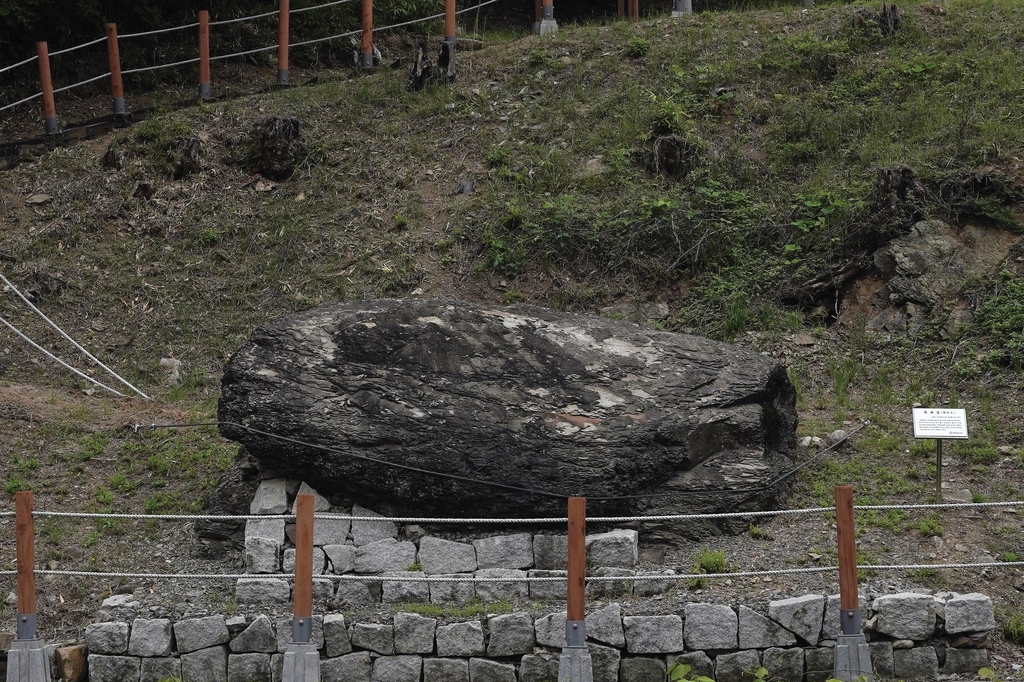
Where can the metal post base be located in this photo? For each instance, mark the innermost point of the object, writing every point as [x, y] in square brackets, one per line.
[575, 665]
[205, 92]
[282, 76]
[547, 27]
[119, 108]
[301, 664]
[51, 126]
[808, 4]
[366, 61]
[26, 661]
[853, 659]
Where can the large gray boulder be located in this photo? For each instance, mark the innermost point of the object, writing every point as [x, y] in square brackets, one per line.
[512, 396]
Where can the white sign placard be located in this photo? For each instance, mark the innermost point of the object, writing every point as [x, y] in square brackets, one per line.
[940, 422]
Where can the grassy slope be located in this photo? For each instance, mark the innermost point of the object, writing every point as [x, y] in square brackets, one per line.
[788, 113]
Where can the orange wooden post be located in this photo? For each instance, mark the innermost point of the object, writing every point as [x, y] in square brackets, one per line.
[282, 42]
[302, 611]
[114, 66]
[547, 24]
[449, 21]
[622, 9]
[577, 571]
[636, 8]
[537, 10]
[205, 91]
[49, 109]
[26, 563]
[366, 52]
[852, 655]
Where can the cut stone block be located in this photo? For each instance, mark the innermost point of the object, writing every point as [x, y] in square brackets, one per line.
[641, 669]
[283, 627]
[482, 670]
[461, 639]
[732, 667]
[71, 662]
[448, 593]
[511, 634]
[610, 588]
[268, 529]
[366, 532]
[107, 638]
[355, 667]
[800, 615]
[319, 561]
[445, 670]
[333, 531]
[320, 503]
[103, 668]
[194, 634]
[235, 624]
[550, 630]
[758, 632]
[402, 592]
[357, 594]
[785, 665]
[969, 613]
[548, 591]
[277, 668]
[440, 557]
[249, 668]
[916, 663]
[384, 556]
[505, 551]
[882, 659]
[605, 625]
[819, 664]
[397, 669]
[157, 669]
[498, 591]
[205, 665]
[605, 660]
[649, 588]
[271, 497]
[538, 668]
[377, 637]
[653, 634]
[550, 552]
[336, 641]
[323, 590]
[257, 638]
[965, 661]
[262, 591]
[905, 616]
[341, 558]
[617, 548]
[414, 634]
[150, 638]
[263, 556]
[701, 664]
[710, 627]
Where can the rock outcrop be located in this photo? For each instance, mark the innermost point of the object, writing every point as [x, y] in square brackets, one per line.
[522, 396]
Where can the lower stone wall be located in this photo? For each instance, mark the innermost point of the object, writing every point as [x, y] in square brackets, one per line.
[911, 636]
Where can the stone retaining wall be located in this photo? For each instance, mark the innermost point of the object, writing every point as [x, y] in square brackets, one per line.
[911, 636]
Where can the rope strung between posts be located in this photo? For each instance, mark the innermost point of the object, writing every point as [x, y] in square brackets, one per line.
[951, 505]
[222, 22]
[21, 63]
[159, 30]
[78, 47]
[242, 54]
[160, 66]
[326, 4]
[166, 517]
[21, 101]
[75, 85]
[58, 360]
[66, 336]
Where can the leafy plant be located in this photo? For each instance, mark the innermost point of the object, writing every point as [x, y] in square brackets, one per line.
[15, 485]
[680, 672]
[931, 526]
[1013, 628]
[637, 47]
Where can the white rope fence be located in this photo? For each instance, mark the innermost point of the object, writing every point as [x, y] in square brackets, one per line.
[22, 101]
[21, 63]
[157, 31]
[78, 47]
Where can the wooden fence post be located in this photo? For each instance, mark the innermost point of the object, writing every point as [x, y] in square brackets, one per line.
[366, 53]
[852, 654]
[205, 91]
[49, 109]
[547, 24]
[622, 9]
[282, 42]
[575, 664]
[114, 65]
[301, 659]
[634, 9]
[26, 560]
[449, 22]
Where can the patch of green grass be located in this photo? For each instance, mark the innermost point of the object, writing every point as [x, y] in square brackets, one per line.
[104, 495]
[931, 526]
[1013, 628]
[15, 485]
[415, 566]
[431, 610]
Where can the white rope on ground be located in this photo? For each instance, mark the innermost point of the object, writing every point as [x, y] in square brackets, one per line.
[21, 63]
[242, 54]
[58, 360]
[166, 517]
[951, 505]
[67, 337]
[159, 66]
[326, 4]
[79, 47]
[159, 30]
[22, 101]
[235, 21]
[75, 85]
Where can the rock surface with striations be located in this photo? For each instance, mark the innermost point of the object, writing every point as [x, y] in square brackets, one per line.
[522, 396]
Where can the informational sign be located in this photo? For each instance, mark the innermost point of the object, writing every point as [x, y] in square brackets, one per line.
[940, 422]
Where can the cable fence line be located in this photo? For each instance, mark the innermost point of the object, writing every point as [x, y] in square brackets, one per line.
[950, 505]
[326, 4]
[157, 67]
[328, 38]
[22, 101]
[224, 22]
[21, 63]
[80, 83]
[244, 53]
[78, 47]
[166, 517]
[159, 30]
